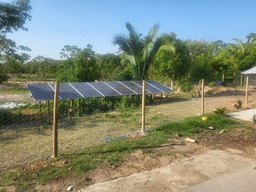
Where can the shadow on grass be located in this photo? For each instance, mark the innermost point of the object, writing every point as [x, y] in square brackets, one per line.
[168, 100]
[120, 150]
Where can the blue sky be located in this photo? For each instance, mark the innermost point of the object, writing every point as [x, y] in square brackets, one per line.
[56, 23]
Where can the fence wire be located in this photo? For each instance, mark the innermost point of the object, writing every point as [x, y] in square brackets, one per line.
[26, 127]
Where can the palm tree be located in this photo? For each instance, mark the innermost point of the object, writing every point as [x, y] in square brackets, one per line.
[251, 40]
[140, 51]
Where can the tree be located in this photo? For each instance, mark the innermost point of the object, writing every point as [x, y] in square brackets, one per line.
[202, 55]
[80, 65]
[244, 48]
[65, 71]
[41, 66]
[69, 52]
[109, 65]
[86, 68]
[245, 52]
[12, 18]
[140, 51]
[172, 65]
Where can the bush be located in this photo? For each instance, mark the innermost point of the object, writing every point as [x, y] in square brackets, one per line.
[129, 102]
[184, 85]
[221, 111]
[238, 105]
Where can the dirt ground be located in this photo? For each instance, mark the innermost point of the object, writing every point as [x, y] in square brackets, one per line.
[240, 140]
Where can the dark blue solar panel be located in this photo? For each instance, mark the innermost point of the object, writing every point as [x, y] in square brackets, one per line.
[67, 91]
[105, 89]
[134, 85]
[156, 87]
[120, 87]
[86, 90]
[42, 92]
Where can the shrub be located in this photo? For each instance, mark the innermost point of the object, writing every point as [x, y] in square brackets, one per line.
[221, 111]
[238, 105]
[184, 85]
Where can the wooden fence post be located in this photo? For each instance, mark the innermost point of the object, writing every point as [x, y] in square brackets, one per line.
[143, 107]
[246, 91]
[241, 80]
[55, 120]
[202, 101]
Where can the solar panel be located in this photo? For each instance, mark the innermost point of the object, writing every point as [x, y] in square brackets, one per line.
[136, 86]
[156, 87]
[66, 91]
[104, 89]
[86, 90]
[41, 92]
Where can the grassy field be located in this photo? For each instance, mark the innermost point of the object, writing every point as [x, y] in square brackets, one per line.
[77, 162]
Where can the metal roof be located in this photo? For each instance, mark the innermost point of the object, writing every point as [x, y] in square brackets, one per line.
[43, 92]
[251, 71]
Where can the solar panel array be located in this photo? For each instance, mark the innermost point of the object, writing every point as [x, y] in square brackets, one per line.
[43, 92]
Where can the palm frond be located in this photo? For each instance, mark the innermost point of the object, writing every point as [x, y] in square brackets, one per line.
[240, 44]
[129, 58]
[134, 39]
[149, 41]
[123, 43]
[152, 33]
[251, 37]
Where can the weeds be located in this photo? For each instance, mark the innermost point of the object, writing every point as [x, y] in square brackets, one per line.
[221, 111]
[238, 105]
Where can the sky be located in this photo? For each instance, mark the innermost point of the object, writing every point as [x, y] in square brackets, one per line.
[56, 23]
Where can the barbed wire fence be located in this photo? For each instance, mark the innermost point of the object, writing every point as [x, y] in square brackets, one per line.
[26, 128]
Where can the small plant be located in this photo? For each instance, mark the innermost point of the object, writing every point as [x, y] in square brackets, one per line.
[254, 119]
[238, 105]
[212, 84]
[221, 111]
[110, 116]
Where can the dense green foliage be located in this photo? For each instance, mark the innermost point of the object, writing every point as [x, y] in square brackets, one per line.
[12, 18]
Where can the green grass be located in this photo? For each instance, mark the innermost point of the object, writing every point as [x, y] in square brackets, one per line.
[111, 154]
[194, 125]
[14, 89]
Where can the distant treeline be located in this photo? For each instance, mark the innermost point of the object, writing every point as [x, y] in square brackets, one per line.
[190, 60]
